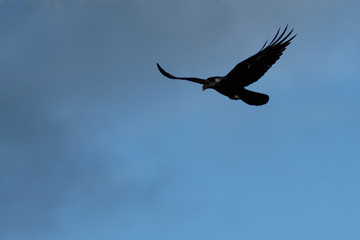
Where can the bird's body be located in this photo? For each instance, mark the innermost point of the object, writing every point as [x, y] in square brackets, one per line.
[245, 73]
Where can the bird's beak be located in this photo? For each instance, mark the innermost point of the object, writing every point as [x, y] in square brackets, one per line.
[203, 88]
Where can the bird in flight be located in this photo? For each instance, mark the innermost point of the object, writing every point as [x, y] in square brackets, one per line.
[245, 73]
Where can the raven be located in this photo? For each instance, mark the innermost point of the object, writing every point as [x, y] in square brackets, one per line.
[245, 73]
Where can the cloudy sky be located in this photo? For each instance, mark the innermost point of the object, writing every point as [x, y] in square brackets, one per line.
[96, 144]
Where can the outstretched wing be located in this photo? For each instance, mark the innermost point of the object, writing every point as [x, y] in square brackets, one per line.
[253, 68]
[168, 75]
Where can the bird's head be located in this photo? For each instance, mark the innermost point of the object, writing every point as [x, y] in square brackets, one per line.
[211, 82]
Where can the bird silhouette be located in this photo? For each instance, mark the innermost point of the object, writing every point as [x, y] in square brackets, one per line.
[246, 72]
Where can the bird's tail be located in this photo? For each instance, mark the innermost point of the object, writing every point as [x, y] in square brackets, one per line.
[254, 98]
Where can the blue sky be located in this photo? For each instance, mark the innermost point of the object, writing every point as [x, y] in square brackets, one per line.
[96, 144]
